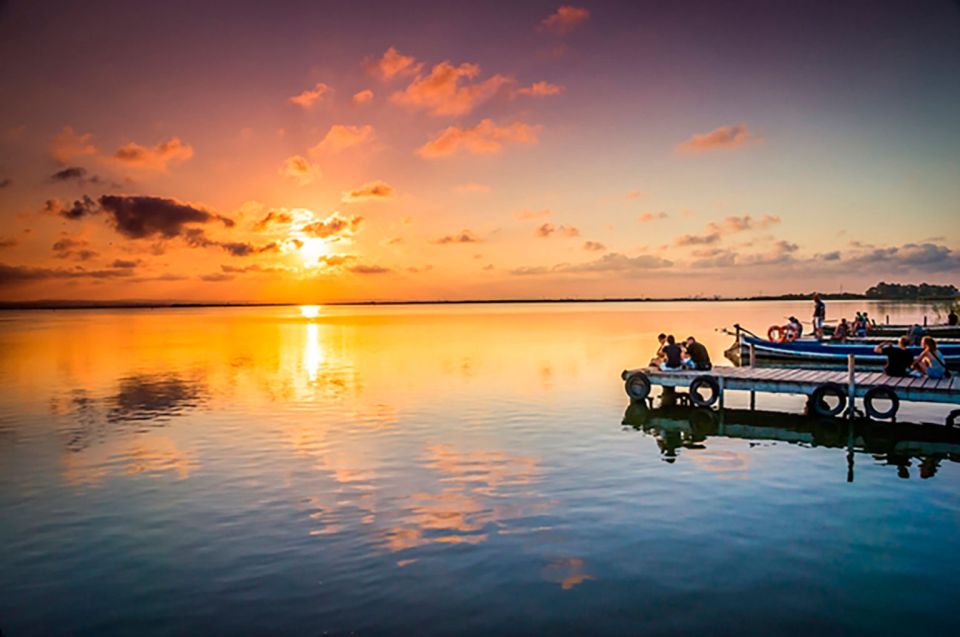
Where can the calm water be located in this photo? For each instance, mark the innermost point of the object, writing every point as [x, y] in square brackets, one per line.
[438, 470]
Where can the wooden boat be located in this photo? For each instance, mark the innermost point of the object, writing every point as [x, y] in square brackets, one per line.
[892, 331]
[820, 354]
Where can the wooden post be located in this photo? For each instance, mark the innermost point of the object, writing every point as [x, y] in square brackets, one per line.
[753, 354]
[924, 320]
[720, 384]
[888, 319]
[851, 384]
[753, 400]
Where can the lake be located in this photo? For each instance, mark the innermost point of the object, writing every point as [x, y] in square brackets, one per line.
[440, 469]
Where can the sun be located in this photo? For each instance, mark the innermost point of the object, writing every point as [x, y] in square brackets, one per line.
[312, 249]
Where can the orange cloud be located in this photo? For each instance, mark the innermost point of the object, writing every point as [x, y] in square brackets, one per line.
[565, 19]
[484, 138]
[362, 97]
[647, 217]
[300, 169]
[393, 63]
[465, 236]
[593, 246]
[741, 224]
[156, 158]
[548, 229]
[375, 190]
[441, 91]
[310, 97]
[340, 137]
[540, 89]
[336, 225]
[722, 138]
[68, 144]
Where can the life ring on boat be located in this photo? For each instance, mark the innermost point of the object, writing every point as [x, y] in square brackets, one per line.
[789, 334]
[775, 334]
[699, 383]
[703, 421]
[637, 386]
[881, 392]
[820, 407]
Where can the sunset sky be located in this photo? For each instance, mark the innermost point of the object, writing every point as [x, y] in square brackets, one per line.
[333, 151]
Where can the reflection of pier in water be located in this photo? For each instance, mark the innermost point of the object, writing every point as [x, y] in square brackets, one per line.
[900, 445]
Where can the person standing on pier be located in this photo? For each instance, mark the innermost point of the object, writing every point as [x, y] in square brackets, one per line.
[819, 315]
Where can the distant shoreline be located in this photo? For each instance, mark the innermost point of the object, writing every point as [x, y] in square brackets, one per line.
[146, 305]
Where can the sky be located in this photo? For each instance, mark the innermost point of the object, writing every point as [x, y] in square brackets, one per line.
[313, 152]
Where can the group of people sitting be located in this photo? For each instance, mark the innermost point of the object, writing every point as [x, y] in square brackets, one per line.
[858, 327]
[672, 357]
[900, 362]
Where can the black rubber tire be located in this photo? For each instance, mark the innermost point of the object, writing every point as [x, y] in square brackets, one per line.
[883, 392]
[704, 381]
[703, 421]
[637, 386]
[820, 408]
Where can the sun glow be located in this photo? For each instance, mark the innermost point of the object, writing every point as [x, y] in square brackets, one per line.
[312, 249]
[310, 311]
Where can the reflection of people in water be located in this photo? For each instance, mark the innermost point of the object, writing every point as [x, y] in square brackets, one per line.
[929, 466]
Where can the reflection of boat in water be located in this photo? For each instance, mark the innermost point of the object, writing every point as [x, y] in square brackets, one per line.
[811, 352]
[676, 428]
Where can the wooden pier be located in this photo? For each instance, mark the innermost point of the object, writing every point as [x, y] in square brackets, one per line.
[831, 392]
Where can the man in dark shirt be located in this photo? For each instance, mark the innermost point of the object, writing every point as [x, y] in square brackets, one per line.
[952, 318]
[699, 357]
[819, 316]
[673, 355]
[899, 359]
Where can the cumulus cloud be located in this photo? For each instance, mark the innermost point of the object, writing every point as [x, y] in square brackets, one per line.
[300, 169]
[696, 240]
[484, 138]
[155, 158]
[612, 262]
[362, 97]
[368, 269]
[465, 236]
[81, 208]
[722, 138]
[69, 144]
[273, 217]
[740, 224]
[335, 225]
[77, 249]
[138, 217]
[13, 275]
[374, 190]
[125, 263]
[216, 277]
[539, 89]
[448, 90]
[594, 246]
[647, 217]
[69, 174]
[311, 96]
[548, 229]
[393, 64]
[341, 137]
[565, 19]
[8, 242]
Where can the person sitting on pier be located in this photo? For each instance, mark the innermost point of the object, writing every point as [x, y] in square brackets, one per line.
[697, 356]
[842, 331]
[952, 318]
[673, 356]
[899, 359]
[930, 362]
[915, 334]
[656, 360]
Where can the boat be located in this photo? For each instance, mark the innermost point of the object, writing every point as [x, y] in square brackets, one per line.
[888, 330]
[809, 352]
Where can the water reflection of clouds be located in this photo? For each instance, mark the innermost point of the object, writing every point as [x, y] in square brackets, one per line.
[113, 434]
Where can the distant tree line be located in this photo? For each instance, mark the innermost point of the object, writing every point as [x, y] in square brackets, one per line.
[911, 291]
